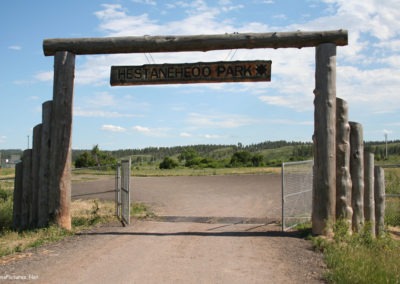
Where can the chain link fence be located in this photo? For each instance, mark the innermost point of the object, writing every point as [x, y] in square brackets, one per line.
[392, 189]
[297, 183]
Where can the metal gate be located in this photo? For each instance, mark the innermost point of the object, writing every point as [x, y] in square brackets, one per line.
[122, 191]
[297, 183]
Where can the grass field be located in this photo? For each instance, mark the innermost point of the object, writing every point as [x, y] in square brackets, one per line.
[85, 214]
[359, 258]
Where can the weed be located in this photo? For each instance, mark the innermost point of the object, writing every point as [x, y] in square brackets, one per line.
[6, 209]
[84, 213]
[359, 258]
[140, 210]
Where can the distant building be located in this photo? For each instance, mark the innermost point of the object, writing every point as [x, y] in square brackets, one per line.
[10, 162]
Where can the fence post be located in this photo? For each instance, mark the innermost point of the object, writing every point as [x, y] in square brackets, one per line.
[34, 206]
[357, 174]
[18, 188]
[44, 171]
[61, 129]
[324, 183]
[379, 193]
[26, 197]
[369, 199]
[343, 178]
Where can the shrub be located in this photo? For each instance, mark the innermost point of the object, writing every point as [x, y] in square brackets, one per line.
[359, 258]
[168, 163]
[6, 209]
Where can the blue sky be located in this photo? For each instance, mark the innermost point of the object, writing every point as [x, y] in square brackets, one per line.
[368, 73]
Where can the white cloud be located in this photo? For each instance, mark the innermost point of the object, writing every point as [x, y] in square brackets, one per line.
[185, 135]
[220, 121]
[280, 16]
[371, 24]
[15, 47]
[147, 2]
[82, 112]
[112, 128]
[154, 132]
[3, 139]
[44, 76]
[141, 129]
[101, 99]
[212, 136]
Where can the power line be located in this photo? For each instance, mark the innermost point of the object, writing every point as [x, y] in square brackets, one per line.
[149, 58]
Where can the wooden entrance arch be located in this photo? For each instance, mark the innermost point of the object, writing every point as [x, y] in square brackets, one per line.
[54, 150]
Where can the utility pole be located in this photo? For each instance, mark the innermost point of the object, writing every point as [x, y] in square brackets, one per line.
[386, 151]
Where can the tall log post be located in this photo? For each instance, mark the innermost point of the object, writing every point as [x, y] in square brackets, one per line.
[343, 179]
[357, 174]
[44, 171]
[34, 206]
[18, 188]
[369, 198]
[26, 188]
[324, 183]
[61, 130]
[379, 193]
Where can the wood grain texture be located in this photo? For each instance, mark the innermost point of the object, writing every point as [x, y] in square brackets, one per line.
[324, 183]
[174, 43]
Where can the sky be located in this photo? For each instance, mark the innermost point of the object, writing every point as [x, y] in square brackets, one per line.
[127, 117]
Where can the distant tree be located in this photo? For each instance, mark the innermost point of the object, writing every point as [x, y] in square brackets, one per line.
[85, 160]
[168, 163]
[241, 159]
[257, 160]
[188, 155]
[94, 158]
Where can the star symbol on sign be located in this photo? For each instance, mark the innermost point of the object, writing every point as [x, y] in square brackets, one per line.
[261, 69]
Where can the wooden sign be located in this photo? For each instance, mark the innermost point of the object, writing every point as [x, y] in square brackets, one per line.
[200, 72]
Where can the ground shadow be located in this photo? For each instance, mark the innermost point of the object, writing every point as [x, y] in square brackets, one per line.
[221, 222]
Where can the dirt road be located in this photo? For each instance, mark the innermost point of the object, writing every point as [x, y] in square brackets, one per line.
[215, 230]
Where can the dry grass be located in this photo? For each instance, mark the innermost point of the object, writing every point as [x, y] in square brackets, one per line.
[85, 214]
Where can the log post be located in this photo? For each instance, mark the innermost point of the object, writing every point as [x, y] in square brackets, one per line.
[369, 198]
[61, 130]
[324, 183]
[44, 171]
[357, 174]
[26, 188]
[343, 179]
[18, 188]
[379, 193]
[174, 43]
[36, 145]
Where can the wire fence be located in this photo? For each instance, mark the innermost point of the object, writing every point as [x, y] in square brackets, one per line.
[297, 183]
[392, 196]
[7, 183]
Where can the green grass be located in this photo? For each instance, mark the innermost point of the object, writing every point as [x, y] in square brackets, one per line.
[12, 241]
[140, 210]
[7, 172]
[392, 211]
[85, 215]
[360, 258]
[153, 171]
[392, 184]
[392, 180]
[6, 208]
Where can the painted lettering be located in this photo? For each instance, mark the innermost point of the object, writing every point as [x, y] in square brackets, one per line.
[258, 70]
[247, 71]
[220, 70]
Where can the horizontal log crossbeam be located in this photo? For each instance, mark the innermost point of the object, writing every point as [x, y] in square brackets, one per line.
[140, 44]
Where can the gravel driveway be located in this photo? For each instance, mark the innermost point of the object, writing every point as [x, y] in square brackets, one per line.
[213, 229]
